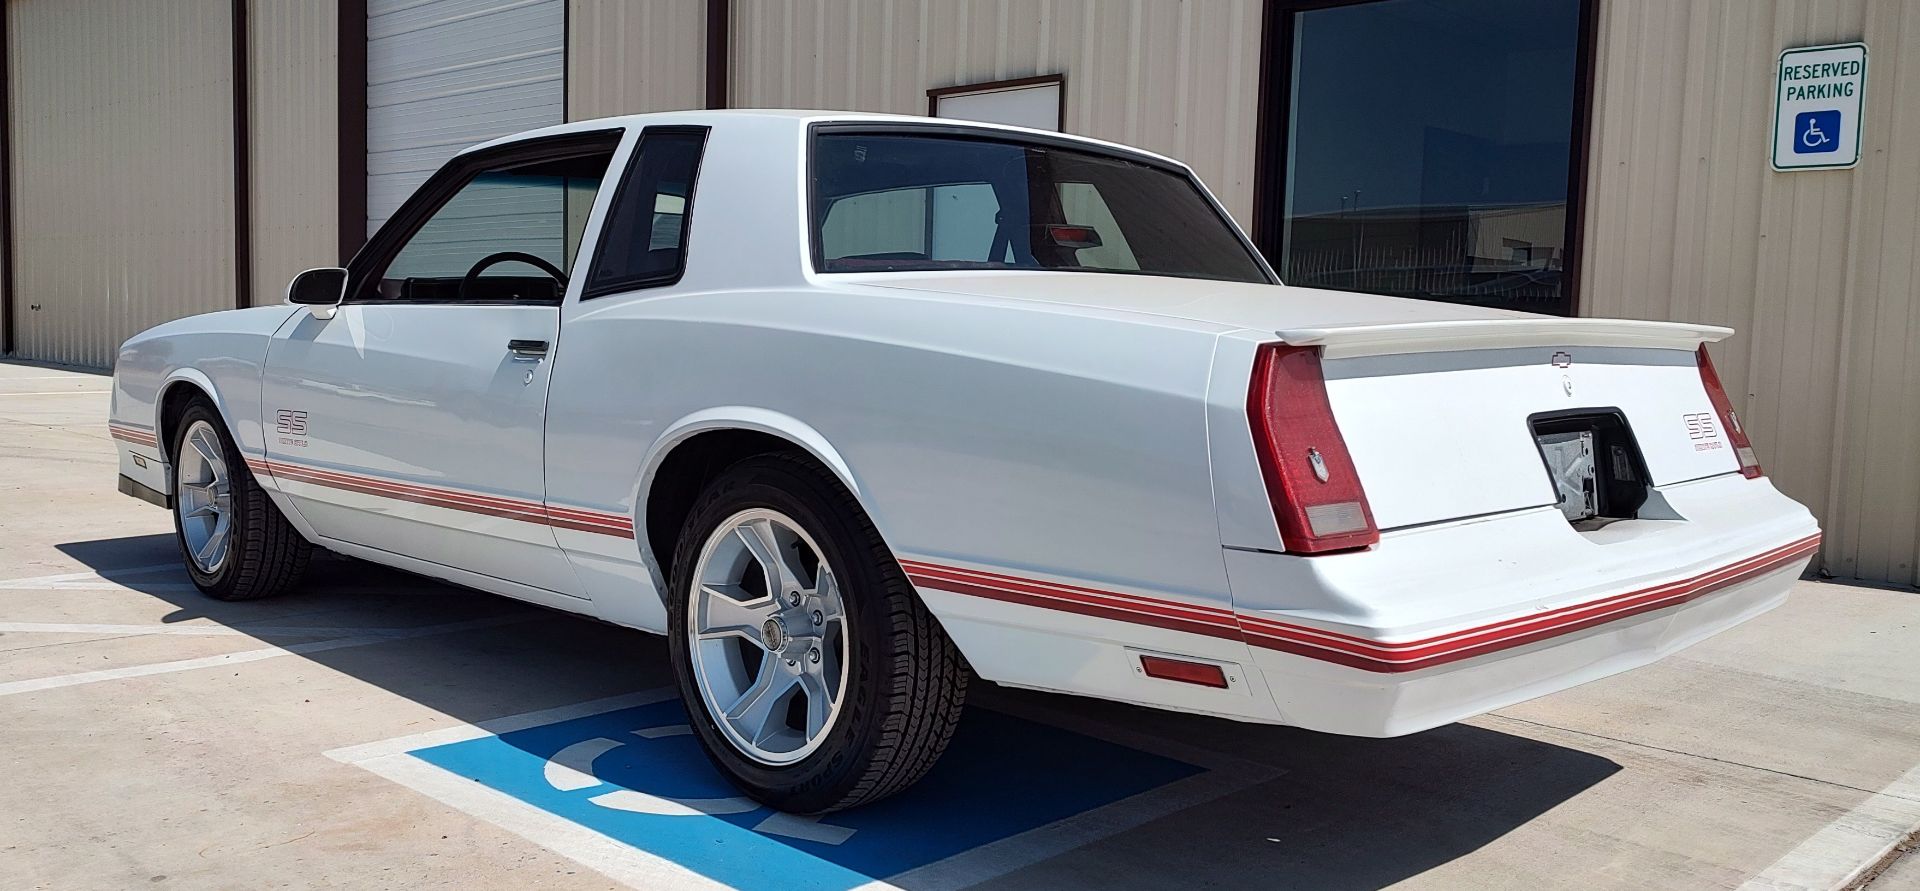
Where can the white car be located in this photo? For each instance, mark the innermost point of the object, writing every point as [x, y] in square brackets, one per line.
[848, 406]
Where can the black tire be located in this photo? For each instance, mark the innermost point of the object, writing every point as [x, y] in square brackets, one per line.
[266, 555]
[906, 682]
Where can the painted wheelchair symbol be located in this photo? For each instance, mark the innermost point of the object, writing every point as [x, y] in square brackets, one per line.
[1814, 137]
[571, 770]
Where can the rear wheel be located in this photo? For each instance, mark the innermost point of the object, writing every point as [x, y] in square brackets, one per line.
[236, 544]
[815, 677]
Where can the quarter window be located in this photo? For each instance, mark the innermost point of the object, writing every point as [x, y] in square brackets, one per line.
[644, 241]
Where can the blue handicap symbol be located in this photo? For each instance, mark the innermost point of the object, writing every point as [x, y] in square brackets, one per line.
[637, 775]
[1815, 132]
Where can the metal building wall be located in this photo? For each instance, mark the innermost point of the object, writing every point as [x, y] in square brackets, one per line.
[1180, 77]
[1816, 269]
[123, 170]
[293, 110]
[629, 58]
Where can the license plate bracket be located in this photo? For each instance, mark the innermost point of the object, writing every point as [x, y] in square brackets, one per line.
[1570, 464]
[1593, 464]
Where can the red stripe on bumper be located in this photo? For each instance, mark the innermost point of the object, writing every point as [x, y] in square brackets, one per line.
[1347, 649]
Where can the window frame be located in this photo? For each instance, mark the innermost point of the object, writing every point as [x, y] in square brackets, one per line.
[627, 177]
[959, 130]
[386, 244]
[1275, 119]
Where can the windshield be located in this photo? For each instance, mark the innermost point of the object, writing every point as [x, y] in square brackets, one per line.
[890, 203]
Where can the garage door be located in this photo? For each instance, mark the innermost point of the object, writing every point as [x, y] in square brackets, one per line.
[445, 74]
[123, 170]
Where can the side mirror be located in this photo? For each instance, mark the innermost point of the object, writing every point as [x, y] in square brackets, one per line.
[319, 290]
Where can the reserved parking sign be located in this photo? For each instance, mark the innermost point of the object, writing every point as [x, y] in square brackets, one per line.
[1819, 95]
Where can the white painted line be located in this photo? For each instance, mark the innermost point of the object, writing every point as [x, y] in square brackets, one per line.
[1847, 847]
[89, 575]
[616, 860]
[803, 828]
[61, 393]
[496, 726]
[186, 630]
[33, 685]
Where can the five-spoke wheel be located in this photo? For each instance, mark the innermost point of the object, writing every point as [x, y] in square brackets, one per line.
[768, 636]
[235, 542]
[203, 498]
[814, 676]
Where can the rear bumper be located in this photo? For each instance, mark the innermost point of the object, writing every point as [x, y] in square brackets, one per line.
[1446, 622]
[1385, 700]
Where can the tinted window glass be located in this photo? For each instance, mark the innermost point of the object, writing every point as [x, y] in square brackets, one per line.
[535, 209]
[889, 202]
[1428, 151]
[644, 241]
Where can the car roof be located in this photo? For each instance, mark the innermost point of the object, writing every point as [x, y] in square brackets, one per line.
[803, 117]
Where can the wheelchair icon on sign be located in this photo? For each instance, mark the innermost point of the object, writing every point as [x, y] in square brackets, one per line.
[1816, 132]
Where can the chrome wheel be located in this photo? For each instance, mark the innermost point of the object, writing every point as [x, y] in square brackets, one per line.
[203, 497]
[767, 632]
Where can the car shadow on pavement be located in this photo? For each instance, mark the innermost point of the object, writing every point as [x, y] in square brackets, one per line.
[1316, 810]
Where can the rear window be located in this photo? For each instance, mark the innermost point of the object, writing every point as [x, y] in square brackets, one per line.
[890, 202]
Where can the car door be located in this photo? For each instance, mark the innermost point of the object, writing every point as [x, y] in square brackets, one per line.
[410, 422]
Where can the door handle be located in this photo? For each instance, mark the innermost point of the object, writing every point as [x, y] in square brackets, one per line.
[527, 349]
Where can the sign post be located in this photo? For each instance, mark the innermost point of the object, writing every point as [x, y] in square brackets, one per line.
[1818, 96]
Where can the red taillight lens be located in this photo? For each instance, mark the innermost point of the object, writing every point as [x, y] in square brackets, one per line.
[1316, 493]
[1730, 422]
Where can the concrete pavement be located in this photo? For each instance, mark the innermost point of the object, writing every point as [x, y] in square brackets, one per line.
[153, 737]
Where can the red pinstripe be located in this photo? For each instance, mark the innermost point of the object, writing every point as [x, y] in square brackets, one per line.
[132, 434]
[453, 499]
[1347, 649]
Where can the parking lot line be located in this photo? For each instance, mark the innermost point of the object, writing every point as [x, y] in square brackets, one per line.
[31, 685]
[34, 581]
[179, 630]
[1849, 846]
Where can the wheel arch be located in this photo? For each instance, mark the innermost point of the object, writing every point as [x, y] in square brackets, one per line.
[172, 398]
[697, 448]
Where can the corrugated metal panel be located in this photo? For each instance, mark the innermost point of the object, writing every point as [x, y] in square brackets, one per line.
[294, 172]
[123, 177]
[1816, 269]
[1180, 77]
[628, 58]
[445, 74]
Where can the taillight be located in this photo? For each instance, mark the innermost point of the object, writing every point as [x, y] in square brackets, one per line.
[1730, 422]
[1316, 493]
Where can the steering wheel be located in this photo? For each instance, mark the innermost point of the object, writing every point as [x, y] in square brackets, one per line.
[510, 257]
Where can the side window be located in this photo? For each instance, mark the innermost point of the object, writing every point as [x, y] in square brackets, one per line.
[510, 228]
[644, 241]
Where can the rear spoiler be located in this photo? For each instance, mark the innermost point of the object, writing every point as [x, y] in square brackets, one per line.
[1338, 341]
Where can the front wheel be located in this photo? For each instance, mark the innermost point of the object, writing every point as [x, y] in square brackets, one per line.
[236, 543]
[815, 677]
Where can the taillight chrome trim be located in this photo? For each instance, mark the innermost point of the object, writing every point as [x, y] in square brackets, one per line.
[1729, 421]
[1318, 501]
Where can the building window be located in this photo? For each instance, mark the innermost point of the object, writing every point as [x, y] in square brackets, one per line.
[1425, 148]
[1039, 102]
